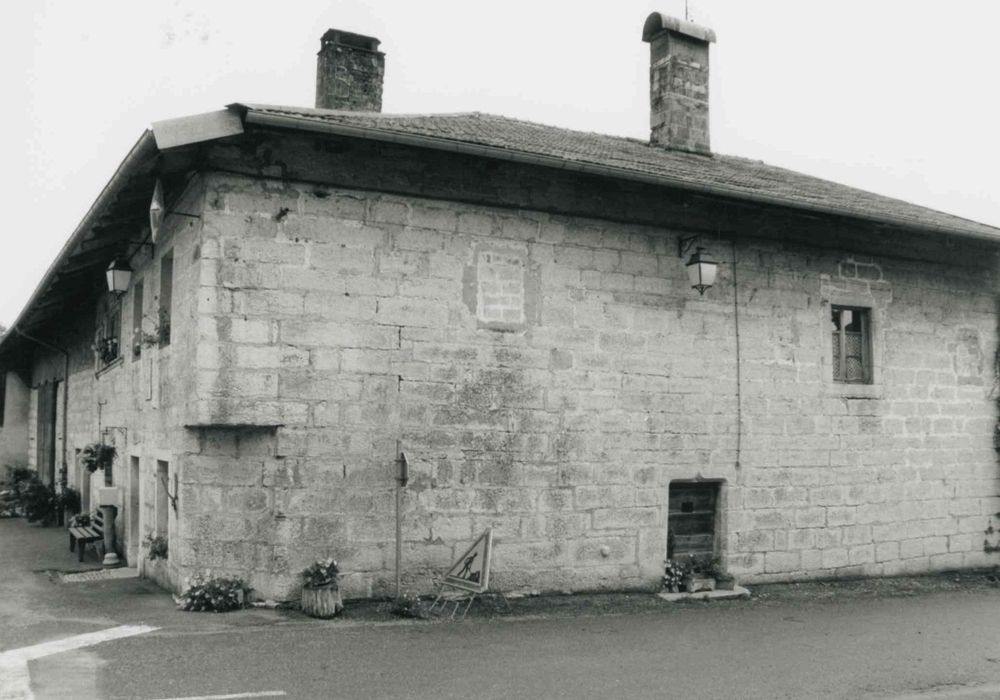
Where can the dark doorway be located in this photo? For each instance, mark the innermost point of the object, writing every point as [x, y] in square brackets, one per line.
[46, 432]
[691, 520]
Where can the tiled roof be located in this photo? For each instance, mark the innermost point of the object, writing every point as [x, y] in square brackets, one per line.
[630, 158]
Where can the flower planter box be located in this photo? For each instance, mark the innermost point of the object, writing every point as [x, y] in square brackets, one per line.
[323, 602]
[693, 584]
[725, 583]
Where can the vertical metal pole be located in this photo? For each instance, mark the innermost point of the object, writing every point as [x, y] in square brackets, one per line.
[399, 535]
[399, 516]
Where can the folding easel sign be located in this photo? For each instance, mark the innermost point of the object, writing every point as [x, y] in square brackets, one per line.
[472, 570]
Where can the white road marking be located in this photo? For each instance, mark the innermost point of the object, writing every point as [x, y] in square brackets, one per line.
[260, 694]
[15, 680]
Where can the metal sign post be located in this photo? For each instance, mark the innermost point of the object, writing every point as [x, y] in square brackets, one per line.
[402, 477]
[469, 574]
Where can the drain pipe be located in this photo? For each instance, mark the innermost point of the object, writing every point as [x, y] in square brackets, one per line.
[64, 472]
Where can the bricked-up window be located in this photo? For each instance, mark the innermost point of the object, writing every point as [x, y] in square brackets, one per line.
[107, 340]
[852, 354]
[166, 296]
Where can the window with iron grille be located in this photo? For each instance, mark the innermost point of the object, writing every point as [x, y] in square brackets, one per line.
[109, 329]
[852, 363]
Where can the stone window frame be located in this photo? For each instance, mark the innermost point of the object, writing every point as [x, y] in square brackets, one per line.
[874, 388]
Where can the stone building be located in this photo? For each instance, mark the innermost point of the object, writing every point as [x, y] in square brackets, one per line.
[315, 291]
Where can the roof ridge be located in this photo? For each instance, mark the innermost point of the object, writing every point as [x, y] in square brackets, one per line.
[496, 135]
[315, 111]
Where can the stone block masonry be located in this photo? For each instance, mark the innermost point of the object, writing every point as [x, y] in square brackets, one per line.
[550, 376]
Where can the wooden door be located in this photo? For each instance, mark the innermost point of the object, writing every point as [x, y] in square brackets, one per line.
[691, 520]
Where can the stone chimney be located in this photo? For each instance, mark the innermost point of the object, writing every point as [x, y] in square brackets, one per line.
[349, 72]
[678, 83]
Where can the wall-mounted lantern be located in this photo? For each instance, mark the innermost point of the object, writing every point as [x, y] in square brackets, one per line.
[701, 270]
[118, 273]
[156, 211]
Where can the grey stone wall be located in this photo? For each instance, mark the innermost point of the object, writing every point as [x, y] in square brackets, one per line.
[549, 376]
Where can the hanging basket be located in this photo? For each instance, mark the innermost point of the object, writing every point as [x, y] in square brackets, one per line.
[323, 602]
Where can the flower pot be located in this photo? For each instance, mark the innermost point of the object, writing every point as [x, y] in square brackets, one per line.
[323, 602]
[693, 584]
[725, 583]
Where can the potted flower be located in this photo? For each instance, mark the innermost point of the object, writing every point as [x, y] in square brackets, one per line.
[701, 575]
[81, 520]
[97, 456]
[321, 589]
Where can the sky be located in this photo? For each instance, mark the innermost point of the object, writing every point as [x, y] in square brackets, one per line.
[897, 97]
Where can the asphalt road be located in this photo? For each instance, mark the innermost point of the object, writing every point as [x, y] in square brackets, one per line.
[945, 645]
[937, 645]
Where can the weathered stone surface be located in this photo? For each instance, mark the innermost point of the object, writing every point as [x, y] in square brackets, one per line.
[554, 395]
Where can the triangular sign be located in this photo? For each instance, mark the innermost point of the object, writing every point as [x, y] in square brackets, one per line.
[472, 570]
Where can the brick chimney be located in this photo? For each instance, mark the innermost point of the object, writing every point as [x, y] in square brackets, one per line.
[678, 83]
[349, 72]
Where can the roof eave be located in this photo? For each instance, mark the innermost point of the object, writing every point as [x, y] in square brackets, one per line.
[143, 149]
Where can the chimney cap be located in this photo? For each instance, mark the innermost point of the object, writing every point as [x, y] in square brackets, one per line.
[356, 41]
[658, 22]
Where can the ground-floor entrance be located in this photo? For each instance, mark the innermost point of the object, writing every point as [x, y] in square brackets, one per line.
[691, 520]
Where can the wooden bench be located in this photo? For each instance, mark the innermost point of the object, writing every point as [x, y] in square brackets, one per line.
[80, 537]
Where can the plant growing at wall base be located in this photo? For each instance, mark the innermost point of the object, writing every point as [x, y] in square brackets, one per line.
[11, 489]
[410, 607]
[39, 501]
[206, 594]
[156, 547]
[69, 500]
[674, 573]
[97, 455]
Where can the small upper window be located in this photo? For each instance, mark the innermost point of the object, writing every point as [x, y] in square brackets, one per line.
[107, 340]
[852, 363]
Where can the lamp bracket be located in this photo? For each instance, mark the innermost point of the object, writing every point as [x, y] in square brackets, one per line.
[685, 243]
